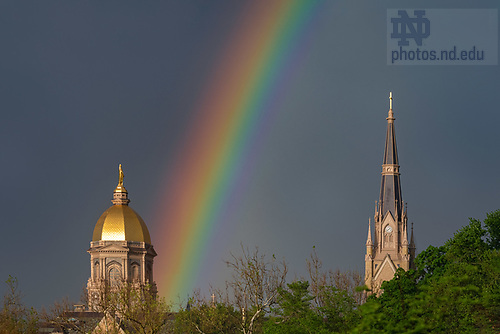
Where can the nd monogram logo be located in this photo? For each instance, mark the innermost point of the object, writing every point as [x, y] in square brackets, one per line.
[418, 26]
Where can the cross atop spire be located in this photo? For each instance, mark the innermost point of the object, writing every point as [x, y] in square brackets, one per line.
[390, 116]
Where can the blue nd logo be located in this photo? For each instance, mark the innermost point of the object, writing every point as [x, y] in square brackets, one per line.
[405, 27]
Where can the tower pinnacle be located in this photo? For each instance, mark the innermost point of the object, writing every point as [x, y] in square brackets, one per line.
[369, 241]
[412, 240]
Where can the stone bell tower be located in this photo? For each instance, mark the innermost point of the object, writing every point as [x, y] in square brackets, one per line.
[120, 250]
[389, 247]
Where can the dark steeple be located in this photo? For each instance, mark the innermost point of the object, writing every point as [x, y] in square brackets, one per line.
[390, 189]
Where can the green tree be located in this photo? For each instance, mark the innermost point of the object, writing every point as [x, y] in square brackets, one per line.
[336, 295]
[454, 289]
[329, 304]
[15, 317]
[294, 313]
[140, 309]
[255, 285]
[431, 262]
[208, 317]
[124, 308]
[492, 224]
[295, 301]
[348, 281]
[468, 244]
[339, 311]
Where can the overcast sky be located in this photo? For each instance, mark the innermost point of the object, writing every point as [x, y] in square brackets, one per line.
[86, 85]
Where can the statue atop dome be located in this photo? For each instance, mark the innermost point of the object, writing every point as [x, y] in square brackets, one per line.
[120, 192]
[120, 175]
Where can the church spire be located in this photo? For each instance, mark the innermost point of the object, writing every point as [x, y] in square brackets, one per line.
[390, 246]
[390, 189]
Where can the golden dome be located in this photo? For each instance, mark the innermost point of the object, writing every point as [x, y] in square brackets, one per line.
[120, 222]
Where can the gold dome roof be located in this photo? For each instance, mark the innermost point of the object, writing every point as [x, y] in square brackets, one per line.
[120, 222]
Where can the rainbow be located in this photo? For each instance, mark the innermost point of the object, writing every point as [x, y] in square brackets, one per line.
[250, 79]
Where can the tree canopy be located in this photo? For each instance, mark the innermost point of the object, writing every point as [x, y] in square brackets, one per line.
[454, 288]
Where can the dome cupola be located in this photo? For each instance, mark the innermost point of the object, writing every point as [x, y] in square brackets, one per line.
[120, 222]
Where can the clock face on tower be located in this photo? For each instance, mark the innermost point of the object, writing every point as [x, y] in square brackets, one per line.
[388, 229]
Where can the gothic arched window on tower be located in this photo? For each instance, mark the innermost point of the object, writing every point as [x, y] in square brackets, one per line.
[115, 276]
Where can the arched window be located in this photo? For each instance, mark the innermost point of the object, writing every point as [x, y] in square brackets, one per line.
[97, 272]
[135, 272]
[115, 276]
[149, 272]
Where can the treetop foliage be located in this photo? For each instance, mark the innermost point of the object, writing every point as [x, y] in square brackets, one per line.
[455, 288]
